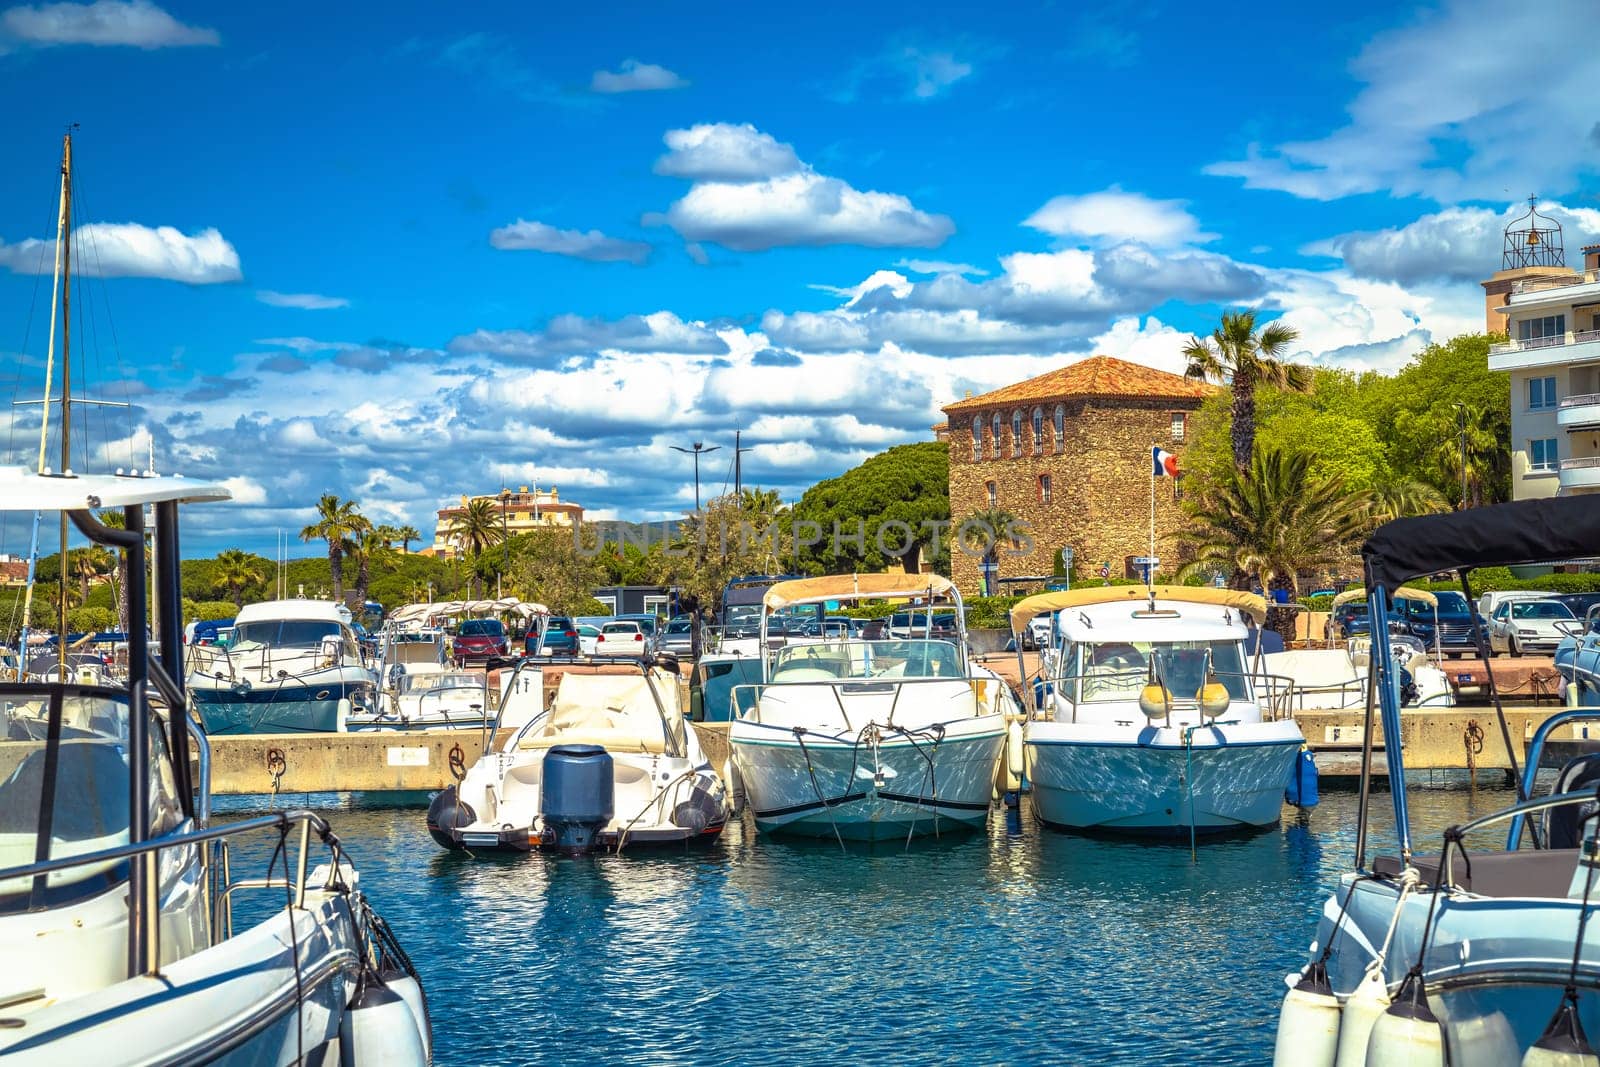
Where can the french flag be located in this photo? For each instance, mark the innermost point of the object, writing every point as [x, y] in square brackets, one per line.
[1163, 463]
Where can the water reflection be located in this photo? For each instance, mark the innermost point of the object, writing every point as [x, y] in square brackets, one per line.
[1028, 946]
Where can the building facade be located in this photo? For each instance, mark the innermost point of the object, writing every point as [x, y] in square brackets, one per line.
[522, 510]
[1552, 317]
[1069, 454]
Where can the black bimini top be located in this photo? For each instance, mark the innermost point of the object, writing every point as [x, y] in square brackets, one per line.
[1500, 535]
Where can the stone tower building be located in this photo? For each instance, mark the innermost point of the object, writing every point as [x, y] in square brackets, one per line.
[1068, 453]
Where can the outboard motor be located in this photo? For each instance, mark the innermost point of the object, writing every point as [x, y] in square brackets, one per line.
[577, 796]
[449, 812]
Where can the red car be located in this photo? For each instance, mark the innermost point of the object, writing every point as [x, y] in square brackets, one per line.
[479, 639]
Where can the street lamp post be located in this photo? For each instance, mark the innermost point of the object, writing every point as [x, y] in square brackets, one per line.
[505, 543]
[738, 465]
[699, 447]
[1461, 409]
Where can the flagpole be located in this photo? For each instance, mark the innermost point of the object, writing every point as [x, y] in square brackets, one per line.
[1150, 568]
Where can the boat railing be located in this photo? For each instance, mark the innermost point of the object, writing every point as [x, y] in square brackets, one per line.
[1272, 694]
[839, 687]
[144, 916]
[1530, 769]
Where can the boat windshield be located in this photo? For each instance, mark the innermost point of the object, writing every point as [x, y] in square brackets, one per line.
[1118, 670]
[828, 660]
[422, 683]
[282, 633]
[70, 796]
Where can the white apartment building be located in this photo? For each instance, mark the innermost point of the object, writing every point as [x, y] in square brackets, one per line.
[1553, 357]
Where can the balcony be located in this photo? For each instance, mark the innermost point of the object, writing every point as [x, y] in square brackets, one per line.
[1578, 412]
[1545, 351]
[1540, 284]
[1580, 473]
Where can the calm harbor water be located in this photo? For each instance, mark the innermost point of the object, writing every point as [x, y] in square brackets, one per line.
[1007, 947]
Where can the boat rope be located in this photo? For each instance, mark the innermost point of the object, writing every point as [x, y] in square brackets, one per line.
[280, 851]
[930, 781]
[658, 801]
[805, 753]
[1188, 774]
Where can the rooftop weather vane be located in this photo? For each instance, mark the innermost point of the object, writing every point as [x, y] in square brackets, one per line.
[1533, 240]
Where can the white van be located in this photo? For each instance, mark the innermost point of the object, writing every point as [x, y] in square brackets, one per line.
[1489, 601]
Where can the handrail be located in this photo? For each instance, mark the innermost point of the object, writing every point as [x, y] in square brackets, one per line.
[1535, 753]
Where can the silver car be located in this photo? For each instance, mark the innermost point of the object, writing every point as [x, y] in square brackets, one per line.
[677, 638]
[1519, 626]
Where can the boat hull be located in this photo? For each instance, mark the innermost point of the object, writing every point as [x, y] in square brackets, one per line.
[819, 785]
[1231, 778]
[279, 709]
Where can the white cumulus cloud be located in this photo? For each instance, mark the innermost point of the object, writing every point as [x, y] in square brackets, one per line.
[133, 23]
[1114, 215]
[724, 152]
[633, 77]
[579, 244]
[303, 301]
[129, 250]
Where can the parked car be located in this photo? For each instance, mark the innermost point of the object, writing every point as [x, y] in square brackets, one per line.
[1580, 604]
[1519, 626]
[1449, 625]
[477, 640]
[1349, 619]
[677, 637]
[588, 637]
[621, 637]
[1036, 634]
[560, 638]
[648, 625]
[1488, 602]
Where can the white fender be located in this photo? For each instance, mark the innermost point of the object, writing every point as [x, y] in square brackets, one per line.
[381, 1030]
[1308, 1025]
[1482, 1041]
[1563, 1043]
[1362, 1009]
[410, 991]
[342, 716]
[1014, 756]
[1408, 1035]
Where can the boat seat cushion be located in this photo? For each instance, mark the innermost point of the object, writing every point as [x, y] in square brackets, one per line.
[1525, 873]
[804, 674]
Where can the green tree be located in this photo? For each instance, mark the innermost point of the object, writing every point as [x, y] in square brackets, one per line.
[1272, 522]
[1247, 358]
[405, 535]
[1399, 497]
[904, 493]
[339, 522]
[87, 564]
[371, 548]
[237, 571]
[557, 567]
[479, 526]
[116, 520]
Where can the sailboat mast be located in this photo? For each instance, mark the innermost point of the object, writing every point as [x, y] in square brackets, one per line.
[55, 297]
[64, 254]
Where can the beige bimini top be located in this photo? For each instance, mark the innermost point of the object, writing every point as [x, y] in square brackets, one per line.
[1249, 603]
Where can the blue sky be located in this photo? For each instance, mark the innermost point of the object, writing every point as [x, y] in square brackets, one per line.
[398, 255]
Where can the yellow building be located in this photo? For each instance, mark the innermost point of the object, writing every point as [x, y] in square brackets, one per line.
[520, 511]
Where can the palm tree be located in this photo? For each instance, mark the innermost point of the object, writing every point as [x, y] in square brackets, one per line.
[985, 532]
[761, 501]
[88, 563]
[478, 526]
[1238, 352]
[1399, 497]
[236, 570]
[1274, 522]
[405, 535]
[116, 520]
[338, 523]
[369, 548]
[1483, 449]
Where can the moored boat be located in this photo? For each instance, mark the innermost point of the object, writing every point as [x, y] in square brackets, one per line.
[1151, 721]
[869, 739]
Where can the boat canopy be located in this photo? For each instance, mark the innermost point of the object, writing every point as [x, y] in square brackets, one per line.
[1500, 535]
[1409, 592]
[504, 606]
[855, 587]
[1248, 603]
[23, 490]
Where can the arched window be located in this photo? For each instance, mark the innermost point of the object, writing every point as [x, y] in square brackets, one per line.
[1016, 432]
[1038, 430]
[994, 425]
[977, 437]
[1060, 425]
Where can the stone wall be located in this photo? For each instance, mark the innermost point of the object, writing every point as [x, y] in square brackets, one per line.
[1100, 487]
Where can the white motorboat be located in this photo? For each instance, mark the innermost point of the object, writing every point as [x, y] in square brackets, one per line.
[1151, 723]
[290, 666]
[117, 941]
[610, 764]
[429, 698]
[1485, 952]
[869, 740]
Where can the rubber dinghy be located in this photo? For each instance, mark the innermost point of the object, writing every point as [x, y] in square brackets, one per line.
[870, 740]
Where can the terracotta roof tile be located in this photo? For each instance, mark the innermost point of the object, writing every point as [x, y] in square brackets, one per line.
[1097, 376]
